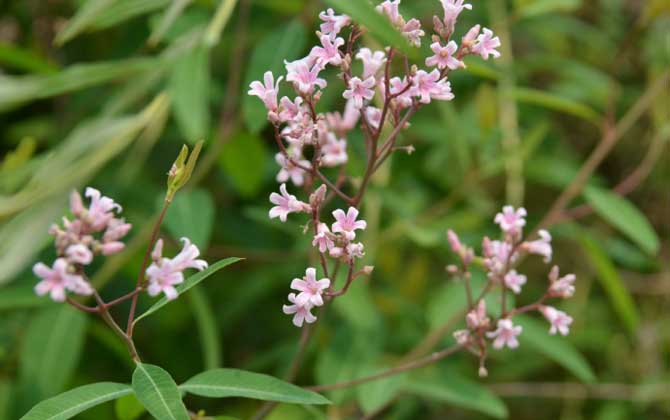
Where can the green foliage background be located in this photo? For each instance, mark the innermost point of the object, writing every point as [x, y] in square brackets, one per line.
[103, 93]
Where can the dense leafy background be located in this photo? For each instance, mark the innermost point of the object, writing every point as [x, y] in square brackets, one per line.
[104, 92]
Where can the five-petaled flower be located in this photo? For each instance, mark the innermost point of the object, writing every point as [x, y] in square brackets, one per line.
[505, 335]
[360, 90]
[58, 279]
[347, 224]
[165, 273]
[559, 320]
[301, 311]
[486, 45]
[510, 220]
[285, 204]
[444, 56]
[267, 91]
[311, 290]
[514, 281]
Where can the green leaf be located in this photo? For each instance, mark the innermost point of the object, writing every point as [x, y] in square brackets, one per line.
[191, 215]
[557, 103]
[12, 298]
[84, 17]
[624, 216]
[609, 278]
[75, 401]
[536, 335]
[457, 391]
[128, 408]
[532, 8]
[61, 330]
[6, 394]
[17, 90]
[285, 43]
[189, 91]
[26, 60]
[158, 393]
[376, 394]
[168, 18]
[210, 338]
[218, 23]
[378, 25]
[242, 152]
[189, 283]
[220, 383]
[123, 10]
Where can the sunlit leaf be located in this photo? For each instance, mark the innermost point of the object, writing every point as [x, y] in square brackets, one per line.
[623, 215]
[609, 278]
[75, 401]
[220, 383]
[189, 283]
[128, 408]
[158, 393]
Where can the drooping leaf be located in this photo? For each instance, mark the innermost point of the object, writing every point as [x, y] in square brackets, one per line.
[189, 91]
[285, 43]
[536, 335]
[189, 283]
[84, 17]
[457, 391]
[158, 392]
[364, 13]
[608, 276]
[61, 330]
[242, 152]
[17, 90]
[624, 216]
[220, 383]
[75, 401]
[191, 215]
[210, 338]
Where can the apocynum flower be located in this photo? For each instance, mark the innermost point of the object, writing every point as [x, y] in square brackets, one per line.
[267, 91]
[301, 311]
[285, 204]
[444, 56]
[428, 86]
[165, 273]
[58, 279]
[305, 76]
[559, 320]
[511, 221]
[329, 52]
[360, 90]
[372, 61]
[453, 8]
[311, 290]
[322, 238]
[486, 45]
[540, 246]
[332, 23]
[347, 223]
[562, 287]
[514, 281]
[505, 335]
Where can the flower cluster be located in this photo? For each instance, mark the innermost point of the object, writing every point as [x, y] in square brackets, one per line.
[310, 141]
[499, 258]
[92, 231]
[97, 230]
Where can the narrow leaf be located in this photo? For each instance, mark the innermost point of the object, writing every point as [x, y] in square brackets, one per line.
[220, 383]
[457, 391]
[219, 22]
[189, 283]
[82, 19]
[536, 335]
[624, 216]
[169, 17]
[210, 338]
[557, 103]
[123, 10]
[189, 91]
[609, 278]
[158, 393]
[75, 401]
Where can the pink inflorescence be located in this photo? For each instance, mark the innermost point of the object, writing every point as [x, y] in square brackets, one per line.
[310, 141]
[500, 259]
[98, 230]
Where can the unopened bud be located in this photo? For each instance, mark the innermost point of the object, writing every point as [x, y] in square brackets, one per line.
[452, 269]
[318, 196]
[368, 269]
[483, 373]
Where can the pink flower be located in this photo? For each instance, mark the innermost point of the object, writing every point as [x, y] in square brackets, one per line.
[291, 170]
[541, 246]
[79, 254]
[372, 62]
[164, 273]
[429, 86]
[562, 287]
[390, 9]
[58, 279]
[334, 152]
[498, 255]
[455, 242]
[101, 210]
[290, 110]
[398, 85]
[514, 281]
[470, 37]
[413, 32]
[329, 53]
[347, 223]
[76, 204]
[116, 229]
[267, 91]
[462, 337]
[303, 77]
[511, 221]
[332, 23]
[444, 56]
[302, 311]
[322, 238]
[111, 248]
[453, 8]
[310, 289]
[477, 318]
[355, 250]
[505, 335]
[486, 45]
[559, 320]
[373, 116]
[285, 204]
[360, 90]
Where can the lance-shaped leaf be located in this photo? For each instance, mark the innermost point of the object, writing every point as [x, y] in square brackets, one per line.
[75, 401]
[158, 393]
[189, 283]
[220, 383]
